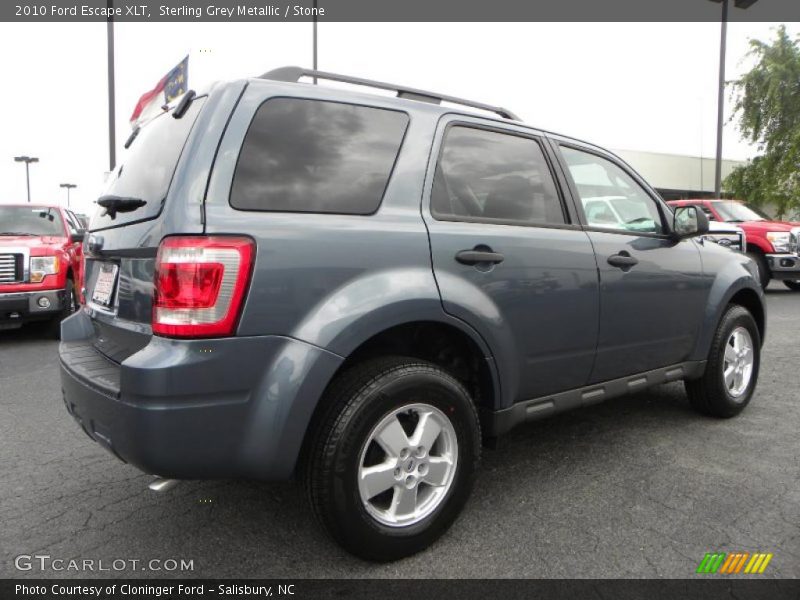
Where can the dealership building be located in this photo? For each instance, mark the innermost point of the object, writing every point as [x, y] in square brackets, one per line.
[677, 176]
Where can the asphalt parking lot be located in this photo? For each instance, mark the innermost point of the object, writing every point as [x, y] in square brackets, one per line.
[636, 487]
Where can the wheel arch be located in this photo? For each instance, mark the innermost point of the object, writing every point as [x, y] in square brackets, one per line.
[743, 291]
[444, 341]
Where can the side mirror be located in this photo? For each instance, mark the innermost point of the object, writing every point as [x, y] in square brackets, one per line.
[689, 221]
[77, 236]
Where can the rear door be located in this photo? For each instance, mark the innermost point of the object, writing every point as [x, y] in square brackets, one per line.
[508, 257]
[653, 291]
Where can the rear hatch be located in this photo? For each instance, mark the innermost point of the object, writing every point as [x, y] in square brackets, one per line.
[155, 191]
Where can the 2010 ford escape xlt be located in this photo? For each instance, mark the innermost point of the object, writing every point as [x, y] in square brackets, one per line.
[291, 278]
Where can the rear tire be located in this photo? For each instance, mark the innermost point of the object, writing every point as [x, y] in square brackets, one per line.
[763, 269]
[731, 374]
[792, 285]
[393, 460]
[70, 306]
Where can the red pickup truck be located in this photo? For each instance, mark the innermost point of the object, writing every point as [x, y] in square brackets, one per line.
[40, 264]
[773, 245]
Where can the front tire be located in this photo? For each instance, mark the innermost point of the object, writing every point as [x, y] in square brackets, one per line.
[792, 285]
[763, 268]
[731, 374]
[393, 461]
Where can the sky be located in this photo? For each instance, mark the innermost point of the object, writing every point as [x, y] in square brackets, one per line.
[629, 86]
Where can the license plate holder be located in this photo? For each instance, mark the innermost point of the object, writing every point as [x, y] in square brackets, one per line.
[103, 293]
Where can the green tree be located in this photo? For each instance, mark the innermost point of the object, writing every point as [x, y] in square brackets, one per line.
[767, 105]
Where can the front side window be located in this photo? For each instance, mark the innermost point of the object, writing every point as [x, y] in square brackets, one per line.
[73, 223]
[492, 177]
[317, 157]
[610, 197]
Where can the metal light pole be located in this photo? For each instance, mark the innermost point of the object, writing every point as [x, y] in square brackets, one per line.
[112, 137]
[314, 42]
[68, 187]
[743, 4]
[27, 160]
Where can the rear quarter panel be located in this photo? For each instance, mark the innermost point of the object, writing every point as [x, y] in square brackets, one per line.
[332, 280]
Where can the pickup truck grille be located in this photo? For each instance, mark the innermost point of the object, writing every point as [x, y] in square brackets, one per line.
[10, 268]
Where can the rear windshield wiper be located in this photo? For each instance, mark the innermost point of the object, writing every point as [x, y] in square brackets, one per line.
[115, 204]
[132, 137]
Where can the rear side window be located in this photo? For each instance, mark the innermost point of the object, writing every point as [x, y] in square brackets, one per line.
[317, 157]
[492, 177]
[146, 171]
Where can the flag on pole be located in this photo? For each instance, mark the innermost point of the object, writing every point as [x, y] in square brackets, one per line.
[172, 85]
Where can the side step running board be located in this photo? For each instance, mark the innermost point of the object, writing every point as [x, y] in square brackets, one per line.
[496, 423]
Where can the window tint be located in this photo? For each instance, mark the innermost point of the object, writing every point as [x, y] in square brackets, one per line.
[147, 168]
[493, 177]
[311, 156]
[611, 198]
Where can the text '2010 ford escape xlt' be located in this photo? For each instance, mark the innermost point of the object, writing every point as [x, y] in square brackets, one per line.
[291, 278]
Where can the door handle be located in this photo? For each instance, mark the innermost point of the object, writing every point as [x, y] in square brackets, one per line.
[623, 260]
[476, 257]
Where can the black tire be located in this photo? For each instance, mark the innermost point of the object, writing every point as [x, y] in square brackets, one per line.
[709, 394]
[792, 285]
[70, 305]
[763, 269]
[357, 401]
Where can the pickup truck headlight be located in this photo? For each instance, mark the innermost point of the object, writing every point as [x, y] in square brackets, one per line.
[780, 240]
[42, 266]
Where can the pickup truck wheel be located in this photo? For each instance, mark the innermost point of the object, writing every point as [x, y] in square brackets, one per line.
[732, 370]
[394, 458]
[763, 269]
[792, 285]
[70, 306]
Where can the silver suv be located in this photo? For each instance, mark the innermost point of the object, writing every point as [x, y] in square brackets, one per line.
[290, 278]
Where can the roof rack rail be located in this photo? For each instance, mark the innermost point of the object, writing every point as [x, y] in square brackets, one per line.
[294, 74]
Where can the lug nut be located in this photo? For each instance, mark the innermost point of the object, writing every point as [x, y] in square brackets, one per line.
[420, 452]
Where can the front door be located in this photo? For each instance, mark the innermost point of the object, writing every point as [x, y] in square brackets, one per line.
[508, 258]
[652, 289]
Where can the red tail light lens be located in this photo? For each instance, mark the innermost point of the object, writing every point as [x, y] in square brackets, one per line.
[200, 286]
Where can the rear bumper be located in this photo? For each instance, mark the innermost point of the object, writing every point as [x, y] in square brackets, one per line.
[784, 266]
[18, 307]
[197, 409]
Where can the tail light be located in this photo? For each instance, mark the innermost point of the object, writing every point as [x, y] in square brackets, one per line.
[200, 285]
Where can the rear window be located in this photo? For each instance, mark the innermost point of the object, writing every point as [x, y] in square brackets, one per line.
[147, 169]
[317, 157]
